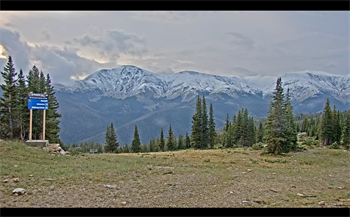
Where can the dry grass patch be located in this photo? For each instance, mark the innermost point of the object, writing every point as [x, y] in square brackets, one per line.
[187, 178]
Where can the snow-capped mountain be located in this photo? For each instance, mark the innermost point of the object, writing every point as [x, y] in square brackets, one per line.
[308, 84]
[129, 95]
[127, 81]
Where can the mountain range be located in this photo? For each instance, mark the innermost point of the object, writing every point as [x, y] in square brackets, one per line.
[129, 95]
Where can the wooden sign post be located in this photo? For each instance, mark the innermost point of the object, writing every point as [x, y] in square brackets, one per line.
[44, 115]
[30, 123]
[37, 101]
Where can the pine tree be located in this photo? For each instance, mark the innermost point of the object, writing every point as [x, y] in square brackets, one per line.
[8, 101]
[326, 130]
[52, 129]
[35, 86]
[162, 143]
[181, 142]
[212, 131]
[113, 139]
[275, 135]
[126, 148]
[305, 125]
[237, 129]
[260, 133]
[136, 144]
[188, 141]
[205, 127]
[227, 123]
[22, 107]
[251, 131]
[291, 143]
[170, 143]
[244, 127]
[336, 125]
[196, 135]
[346, 130]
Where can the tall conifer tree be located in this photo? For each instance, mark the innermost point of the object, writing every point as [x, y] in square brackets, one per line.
[196, 135]
[170, 143]
[136, 144]
[205, 127]
[8, 101]
[212, 131]
[326, 130]
[346, 130]
[275, 135]
[161, 143]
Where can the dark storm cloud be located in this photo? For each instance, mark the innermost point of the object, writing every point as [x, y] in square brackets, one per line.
[61, 64]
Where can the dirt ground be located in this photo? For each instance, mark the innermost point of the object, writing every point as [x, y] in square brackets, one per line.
[189, 178]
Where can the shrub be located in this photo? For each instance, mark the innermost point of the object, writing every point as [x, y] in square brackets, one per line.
[335, 145]
[258, 146]
[245, 148]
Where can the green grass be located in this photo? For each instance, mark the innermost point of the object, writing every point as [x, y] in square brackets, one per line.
[142, 178]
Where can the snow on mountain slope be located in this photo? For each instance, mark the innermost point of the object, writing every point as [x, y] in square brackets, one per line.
[305, 85]
[127, 81]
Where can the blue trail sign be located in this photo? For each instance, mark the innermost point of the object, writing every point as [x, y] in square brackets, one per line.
[38, 101]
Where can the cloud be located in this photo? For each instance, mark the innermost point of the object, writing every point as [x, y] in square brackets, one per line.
[65, 64]
[240, 71]
[111, 44]
[239, 40]
[46, 35]
[14, 47]
[60, 63]
[169, 17]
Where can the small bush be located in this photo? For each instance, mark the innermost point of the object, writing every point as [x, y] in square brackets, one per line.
[335, 145]
[245, 148]
[258, 146]
[207, 160]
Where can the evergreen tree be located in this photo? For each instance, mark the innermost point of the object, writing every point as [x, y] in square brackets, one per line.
[162, 143]
[22, 108]
[291, 143]
[251, 132]
[52, 129]
[170, 143]
[275, 135]
[305, 125]
[8, 101]
[336, 125]
[346, 130]
[136, 144]
[205, 127]
[237, 129]
[227, 135]
[196, 135]
[227, 123]
[111, 145]
[181, 142]
[244, 127]
[260, 133]
[212, 131]
[188, 142]
[326, 130]
[126, 148]
[34, 85]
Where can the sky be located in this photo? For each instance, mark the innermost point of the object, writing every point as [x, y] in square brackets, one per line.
[257, 45]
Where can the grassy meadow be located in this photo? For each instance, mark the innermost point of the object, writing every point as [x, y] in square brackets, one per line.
[187, 178]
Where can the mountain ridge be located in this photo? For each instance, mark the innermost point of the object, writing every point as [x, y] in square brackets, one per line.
[129, 95]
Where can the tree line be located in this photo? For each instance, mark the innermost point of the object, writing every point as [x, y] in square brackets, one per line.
[279, 131]
[202, 137]
[14, 112]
